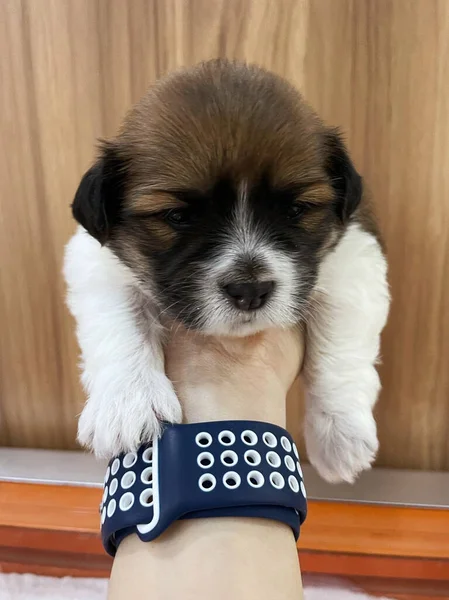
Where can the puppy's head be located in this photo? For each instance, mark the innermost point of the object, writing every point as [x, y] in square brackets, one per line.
[222, 193]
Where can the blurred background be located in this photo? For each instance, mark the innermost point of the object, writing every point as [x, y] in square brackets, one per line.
[379, 69]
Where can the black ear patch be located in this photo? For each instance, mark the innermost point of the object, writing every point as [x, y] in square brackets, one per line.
[100, 194]
[345, 180]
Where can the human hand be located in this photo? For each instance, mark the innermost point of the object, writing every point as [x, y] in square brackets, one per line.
[219, 378]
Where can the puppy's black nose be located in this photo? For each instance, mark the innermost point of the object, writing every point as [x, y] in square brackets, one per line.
[249, 296]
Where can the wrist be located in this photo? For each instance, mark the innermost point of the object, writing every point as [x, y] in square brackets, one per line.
[237, 547]
[222, 401]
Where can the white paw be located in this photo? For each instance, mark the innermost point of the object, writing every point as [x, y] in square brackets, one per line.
[121, 419]
[341, 445]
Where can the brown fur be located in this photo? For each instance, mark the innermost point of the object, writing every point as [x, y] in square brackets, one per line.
[203, 148]
[192, 128]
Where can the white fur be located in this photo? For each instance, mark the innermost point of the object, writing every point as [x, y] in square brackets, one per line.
[222, 318]
[247, 241]
[122, 359]
[349, 312]
[123, 364]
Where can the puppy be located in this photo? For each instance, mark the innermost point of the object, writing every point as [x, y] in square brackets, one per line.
[225, 204]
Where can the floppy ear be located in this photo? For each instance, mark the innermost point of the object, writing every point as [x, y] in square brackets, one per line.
[100, 195]
[345, 180]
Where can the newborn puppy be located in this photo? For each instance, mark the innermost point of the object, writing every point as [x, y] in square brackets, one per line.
[225, 204]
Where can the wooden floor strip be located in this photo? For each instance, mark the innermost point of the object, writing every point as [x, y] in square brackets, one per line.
[376, 529]
[399, 551]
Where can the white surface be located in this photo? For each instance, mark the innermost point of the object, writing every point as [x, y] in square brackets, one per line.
[63, 467]
[328, 588]
[30, 587]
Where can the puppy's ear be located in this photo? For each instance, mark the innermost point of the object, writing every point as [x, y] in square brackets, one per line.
[100, 194]
[345, 180]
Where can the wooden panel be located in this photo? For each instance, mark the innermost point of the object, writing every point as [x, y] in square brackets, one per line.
[53, 530]
[392, 577]
[50, 507]
[399, 74]
[52, 552]
[50, 118]
[380, 69]
[376, 529]
[70, 70]
[343, 564]
[331, 527]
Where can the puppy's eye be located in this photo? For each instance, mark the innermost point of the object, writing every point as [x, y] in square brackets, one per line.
[179, 218]
[295, 211]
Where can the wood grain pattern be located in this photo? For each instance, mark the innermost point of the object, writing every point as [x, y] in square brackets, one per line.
[380, 530]
[53, 530]
[70, 69]
[331, 527]
[359, 566]
[52, 552]
[50, 507]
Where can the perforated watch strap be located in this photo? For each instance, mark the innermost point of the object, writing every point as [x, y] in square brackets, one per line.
[230, 468]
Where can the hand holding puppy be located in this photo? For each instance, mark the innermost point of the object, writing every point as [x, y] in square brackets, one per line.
[220, 378]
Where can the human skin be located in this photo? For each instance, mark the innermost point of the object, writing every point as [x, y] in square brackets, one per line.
[220, 558]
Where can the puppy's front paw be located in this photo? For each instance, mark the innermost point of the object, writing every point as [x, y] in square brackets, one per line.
[121, 419]
[341, 445]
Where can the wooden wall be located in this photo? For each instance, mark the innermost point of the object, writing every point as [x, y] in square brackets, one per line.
[69, 69]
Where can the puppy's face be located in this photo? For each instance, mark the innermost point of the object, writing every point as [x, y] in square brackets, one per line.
[222, 194]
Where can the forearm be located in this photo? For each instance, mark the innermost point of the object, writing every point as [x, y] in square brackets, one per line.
[220, 558]
[200, 559]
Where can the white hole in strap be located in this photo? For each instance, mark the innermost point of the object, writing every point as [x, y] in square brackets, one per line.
[252, 457]
[255, 479]
[113, 487]
[147, 476]
[273, 459]
[286, 444]
[229, 458]
[207, 482]
[290, 463]
[111, 507]
[293, 483]
[203, 439]
[129, 460]
[249, 438]
[115, 466]
[277, 481]
[128, 480]
[226, 438]
[146, 497]
[147, 456]
[270, 439]
[295, 450]
[231, 480]
[126, 501]
[205, 460]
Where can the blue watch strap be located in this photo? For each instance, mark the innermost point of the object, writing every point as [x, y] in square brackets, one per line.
[214, 469]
